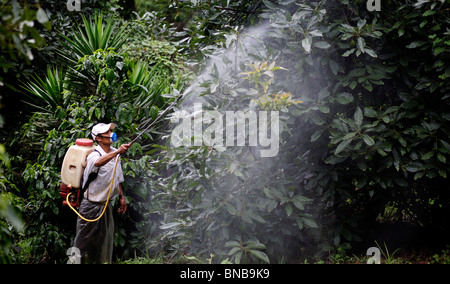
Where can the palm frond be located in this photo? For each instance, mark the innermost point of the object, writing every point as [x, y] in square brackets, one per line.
[50, 90]
[149, 84]
[92, 36]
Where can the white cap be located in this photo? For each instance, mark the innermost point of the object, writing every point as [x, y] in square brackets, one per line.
[102, 128]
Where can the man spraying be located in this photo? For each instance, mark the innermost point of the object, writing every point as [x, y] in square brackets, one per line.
[95, 240]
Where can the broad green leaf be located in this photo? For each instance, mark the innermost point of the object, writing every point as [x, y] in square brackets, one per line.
[334, 67]
[361, 44]
[309, 222]
[358, 116]
[414, 167]
[298, 203]
[322, 44]
[237, 258]
[361, 23]
[231, 209]
[316, 135]
[371, 52]
[289, 209]
[261, 255]
[428, 155]
[442, 158]
[348, 52]
[255, 245]
[256, 217]
[446, 145]
[299, 223]
[428, 13]
[270, 5]
[349, 136]
[344, 98]
[234, 250]
[368, 140]
[306, 43]
[342, 146]
[368, 112]
[232, 244]
[415, 44]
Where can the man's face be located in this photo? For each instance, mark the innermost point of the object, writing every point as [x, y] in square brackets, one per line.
[104, 138]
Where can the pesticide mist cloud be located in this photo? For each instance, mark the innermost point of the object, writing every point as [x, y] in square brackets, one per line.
[242, 124]
[198, 123]
[190, 131]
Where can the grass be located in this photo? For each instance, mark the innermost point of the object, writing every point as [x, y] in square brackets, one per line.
[398, 256]
[167, 259]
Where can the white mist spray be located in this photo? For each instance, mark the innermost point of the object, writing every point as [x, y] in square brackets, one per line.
[244, 206]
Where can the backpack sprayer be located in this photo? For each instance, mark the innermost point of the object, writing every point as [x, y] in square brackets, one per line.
[74, 163]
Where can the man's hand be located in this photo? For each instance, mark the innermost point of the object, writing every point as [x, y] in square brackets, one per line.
[123, 205]
[124, 148]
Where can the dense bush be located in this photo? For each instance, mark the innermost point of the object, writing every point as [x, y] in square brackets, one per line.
[374, 86]
[372, 134]
[98, 82]
[363, 103]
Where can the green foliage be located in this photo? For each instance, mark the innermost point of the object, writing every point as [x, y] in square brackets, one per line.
[443, 258]
[363, 102]
[99, 85]
[18, 34]
[199, 26]
[375, 113]
[244, 252]
[10, 222]
[155, 52]
[374, 126]
[10, 219]
[93, 37]
[388, 256]
[50, 90]
[207, 197]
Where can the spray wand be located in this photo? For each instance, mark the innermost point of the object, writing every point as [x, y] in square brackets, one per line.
[156, 119]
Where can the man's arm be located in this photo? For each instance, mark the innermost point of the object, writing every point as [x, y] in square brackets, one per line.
[123, 203]
[103, 160]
